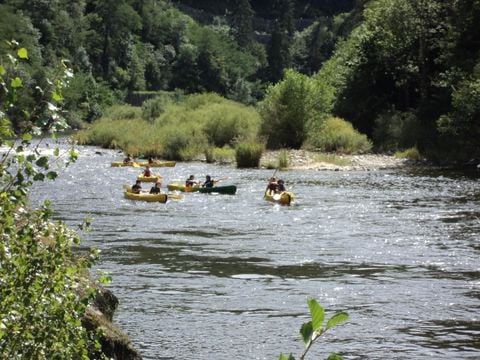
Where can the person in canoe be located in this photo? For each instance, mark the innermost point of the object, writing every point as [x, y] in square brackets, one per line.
[209, 182]
[137, 187]
[156, 188]
[191, 181]
[151, 160]
[147, 172]
[272, 185]
[281, 186]
[128, 159]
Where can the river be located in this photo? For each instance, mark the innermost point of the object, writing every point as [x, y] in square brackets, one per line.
[227, 277]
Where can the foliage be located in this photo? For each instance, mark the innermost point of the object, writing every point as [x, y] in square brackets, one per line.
[223, 155]
[283, 159]
[339, 136]
[411, 56]
[411, 153]
[291, 108]
[43, 292]
[395, 130]
[248, 154]
[153, 108]
[186, 127]
[313, 329]
[460, 128]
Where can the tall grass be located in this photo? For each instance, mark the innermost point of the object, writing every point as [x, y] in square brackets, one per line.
[248, 154]
[175, 130]
[283, 159]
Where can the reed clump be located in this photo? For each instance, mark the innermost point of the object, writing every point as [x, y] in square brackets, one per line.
[248, 154]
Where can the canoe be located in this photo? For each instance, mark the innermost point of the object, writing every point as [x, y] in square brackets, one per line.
[284, 198]
[227, 189]
[121, 164]
[158, 163]
[145, 196]
[152, 178]
[144, 163]
[182, 187]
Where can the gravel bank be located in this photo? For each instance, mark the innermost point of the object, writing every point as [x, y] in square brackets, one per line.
[308, 160]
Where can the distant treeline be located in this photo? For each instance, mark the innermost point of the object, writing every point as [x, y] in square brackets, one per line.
[403, 72]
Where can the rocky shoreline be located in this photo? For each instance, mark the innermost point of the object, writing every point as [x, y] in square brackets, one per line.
[309, 160]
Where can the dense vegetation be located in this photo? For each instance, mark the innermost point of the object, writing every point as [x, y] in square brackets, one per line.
[405, 73]
[50, 307]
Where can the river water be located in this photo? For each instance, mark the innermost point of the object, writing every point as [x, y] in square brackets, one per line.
[227, 277]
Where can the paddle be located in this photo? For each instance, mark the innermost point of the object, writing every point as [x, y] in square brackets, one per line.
[224, 178]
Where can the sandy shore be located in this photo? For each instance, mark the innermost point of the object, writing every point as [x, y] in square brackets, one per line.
[307, 160]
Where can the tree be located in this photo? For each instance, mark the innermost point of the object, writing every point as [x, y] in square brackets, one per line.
[279, 57]
[242, 15]
[292, 108]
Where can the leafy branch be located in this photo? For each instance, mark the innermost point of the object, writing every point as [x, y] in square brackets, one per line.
[313, 329]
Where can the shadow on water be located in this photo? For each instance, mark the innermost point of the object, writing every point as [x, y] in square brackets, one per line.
[440, 334]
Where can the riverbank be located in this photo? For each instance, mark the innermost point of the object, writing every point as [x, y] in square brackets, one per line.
[309, 160]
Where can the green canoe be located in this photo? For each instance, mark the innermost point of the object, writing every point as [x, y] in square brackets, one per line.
[227, 189]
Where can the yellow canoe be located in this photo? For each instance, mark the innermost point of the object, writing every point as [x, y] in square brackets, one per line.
[152, 178]
[158, 163]
[144, 163]
[146, 196]
[121, 164]
[182, 187]
[284, 198]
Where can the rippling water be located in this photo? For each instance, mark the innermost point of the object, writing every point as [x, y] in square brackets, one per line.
[227, 277]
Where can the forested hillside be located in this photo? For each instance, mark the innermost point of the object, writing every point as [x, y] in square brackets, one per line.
[404, 72]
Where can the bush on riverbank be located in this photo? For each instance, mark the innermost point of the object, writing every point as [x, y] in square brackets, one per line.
[45, 288]
[338, 135]
[182, 130]
[248, 154]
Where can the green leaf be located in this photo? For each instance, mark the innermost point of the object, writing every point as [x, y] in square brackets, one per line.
[334, 357]
[52, 175]
[57, 96]
[39, 177]
[27, 137]
[22, 53]
[2, 70]
[56, 152]
[286, 357]
[317, 312]
[306, 331]
[337, 319]
[16, 83]
[42, 162]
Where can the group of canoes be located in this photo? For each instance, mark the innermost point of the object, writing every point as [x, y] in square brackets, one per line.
[275, 191]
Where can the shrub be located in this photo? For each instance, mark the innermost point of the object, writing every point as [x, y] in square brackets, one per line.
[184, 130]
[153, 108]
[395, 130]
[283, 159]
[226, 122]
[248, 154]
[222, 155]
[122, 112]
[338, 135]
[411, 153]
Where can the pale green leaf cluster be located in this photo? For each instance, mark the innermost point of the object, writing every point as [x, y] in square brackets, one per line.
[43, 289]
[316, 327]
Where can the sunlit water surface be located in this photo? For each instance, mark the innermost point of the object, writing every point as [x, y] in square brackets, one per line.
[227, 277]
